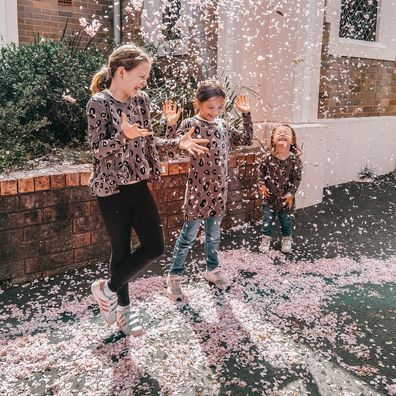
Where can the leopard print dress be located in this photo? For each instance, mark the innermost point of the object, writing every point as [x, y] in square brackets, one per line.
[117, 160]
[207, 183]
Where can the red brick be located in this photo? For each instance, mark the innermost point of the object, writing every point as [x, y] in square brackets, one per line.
[232, 161]
[57, 181]
[84, 177]
[41, 183]
[72, 179]
[20, 219]
[175, 221]
[91, 252]
[164, 166]
[40, 231]
[80, 240]
[25, 185]
[184, 167]
[42, 199]
[173, 168]
[49, 261]
[8, 203]
[9, 187]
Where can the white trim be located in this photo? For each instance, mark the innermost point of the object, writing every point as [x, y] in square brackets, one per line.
[152, 24]
[8, 22]
[385, 46]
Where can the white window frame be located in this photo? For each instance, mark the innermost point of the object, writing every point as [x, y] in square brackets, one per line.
[150, 13]
[8, 22]
[384, 48]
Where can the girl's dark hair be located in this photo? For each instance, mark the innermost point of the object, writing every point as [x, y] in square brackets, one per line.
[129, 56]
[209, 89]
[293, 147]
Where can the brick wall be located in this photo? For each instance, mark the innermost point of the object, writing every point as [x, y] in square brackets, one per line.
[355, 87]
[49, 223]
[48, 18]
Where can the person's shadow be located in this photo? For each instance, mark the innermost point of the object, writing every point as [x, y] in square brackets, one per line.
[234, 357]
[128, 378]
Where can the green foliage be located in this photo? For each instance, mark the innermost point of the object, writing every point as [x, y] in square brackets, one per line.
[34, 80]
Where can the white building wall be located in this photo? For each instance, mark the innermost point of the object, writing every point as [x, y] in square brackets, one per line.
[8, 22]
[279, 57]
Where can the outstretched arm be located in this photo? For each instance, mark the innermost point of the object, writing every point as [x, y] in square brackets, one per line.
[244, 138]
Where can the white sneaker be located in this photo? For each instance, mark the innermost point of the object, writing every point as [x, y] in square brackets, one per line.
[128, 320]
[173, 287]
[107, 303]
[286, 244]
[218, 278]
[265, 244]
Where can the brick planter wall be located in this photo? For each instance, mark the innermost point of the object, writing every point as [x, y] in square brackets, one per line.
[49, 223]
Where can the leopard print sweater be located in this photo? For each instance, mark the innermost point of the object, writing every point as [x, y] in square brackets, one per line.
[117, 160]
[207, 183]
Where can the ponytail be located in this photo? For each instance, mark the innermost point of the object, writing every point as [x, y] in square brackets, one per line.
[100, 81]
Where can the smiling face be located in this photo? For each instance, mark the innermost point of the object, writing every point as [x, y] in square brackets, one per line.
[211, 108]
[134, 80]
[282, 136]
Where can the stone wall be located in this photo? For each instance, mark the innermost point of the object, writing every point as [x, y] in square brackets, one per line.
[49, 223]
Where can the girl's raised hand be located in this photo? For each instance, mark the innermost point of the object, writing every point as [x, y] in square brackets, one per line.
[171, 113]
[288, 200]
[265, 191]
[132, 131]
[242, 104]
[193, 146]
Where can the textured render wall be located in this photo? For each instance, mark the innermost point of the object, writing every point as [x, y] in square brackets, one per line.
[49, 223]
[355, 87]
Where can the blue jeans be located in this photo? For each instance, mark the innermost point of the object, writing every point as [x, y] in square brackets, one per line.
[269, 217]
[187, 238]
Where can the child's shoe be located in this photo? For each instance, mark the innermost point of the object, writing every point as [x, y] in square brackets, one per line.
[218, 278]
[107, 301]
[265, 244]
[128, 320]
[286, 244]
[173, 287]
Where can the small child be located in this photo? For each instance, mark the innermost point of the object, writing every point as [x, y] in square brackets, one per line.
[206, 190]
[280, 177]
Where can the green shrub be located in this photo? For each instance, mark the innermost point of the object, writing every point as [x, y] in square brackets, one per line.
[33, 82]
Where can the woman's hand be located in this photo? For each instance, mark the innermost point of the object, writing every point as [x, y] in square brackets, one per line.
[265, 191]
[193, 146]
[132, 131]
[288, 200]
[171, 113]
[242, 104]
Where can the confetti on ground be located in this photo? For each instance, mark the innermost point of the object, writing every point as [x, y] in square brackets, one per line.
[302, 327]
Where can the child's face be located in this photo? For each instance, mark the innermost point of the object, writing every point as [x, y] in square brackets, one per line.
[136, 79]
[282, 136]
[211, 108]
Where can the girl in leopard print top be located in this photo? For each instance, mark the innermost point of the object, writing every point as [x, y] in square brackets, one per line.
[206, 190]
[124, 157]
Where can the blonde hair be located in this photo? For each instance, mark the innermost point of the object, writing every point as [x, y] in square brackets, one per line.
[129, 56]
[293, 147]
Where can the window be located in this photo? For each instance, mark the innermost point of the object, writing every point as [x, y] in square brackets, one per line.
[166, 23]
[358, 19]
[171, 20]
[362, 28]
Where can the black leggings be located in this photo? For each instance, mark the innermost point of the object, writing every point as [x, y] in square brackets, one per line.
[133, 207]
